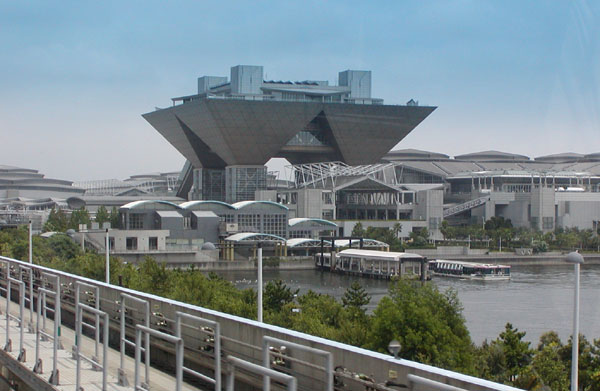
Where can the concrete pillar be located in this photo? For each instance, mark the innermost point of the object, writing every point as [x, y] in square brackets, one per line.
[285, 249]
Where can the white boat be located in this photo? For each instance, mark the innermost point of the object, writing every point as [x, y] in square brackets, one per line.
[469, 270]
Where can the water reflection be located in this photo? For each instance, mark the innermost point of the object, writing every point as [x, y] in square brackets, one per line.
[536, 299]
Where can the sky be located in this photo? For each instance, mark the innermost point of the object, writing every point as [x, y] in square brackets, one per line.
[75, 76]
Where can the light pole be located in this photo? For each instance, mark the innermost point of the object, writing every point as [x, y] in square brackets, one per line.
[260, 284]
[394, 347]
[107, 269]
[30, 243]
[576, 259]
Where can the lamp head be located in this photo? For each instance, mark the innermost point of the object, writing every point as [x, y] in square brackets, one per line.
[394, 347]
[574, 257]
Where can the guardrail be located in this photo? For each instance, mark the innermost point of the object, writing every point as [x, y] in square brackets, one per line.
[235, 362]
[233, 336]
[216, 333]
[177, 341]
[123, 341]
[93, 360]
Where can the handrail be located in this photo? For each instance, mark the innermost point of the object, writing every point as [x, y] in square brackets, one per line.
[235, 362]
[436, 385]
[78, 285]
[123, 338]
[94, 360]
[217, 348]
[267, 341]
[178, 342]
[19, 319]
[40, 333]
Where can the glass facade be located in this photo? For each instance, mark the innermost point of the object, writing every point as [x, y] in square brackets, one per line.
[243, 181]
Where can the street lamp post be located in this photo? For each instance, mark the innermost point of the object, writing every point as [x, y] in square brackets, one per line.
[576, 259]
[394, 347]
[260, 285]
[107, 269]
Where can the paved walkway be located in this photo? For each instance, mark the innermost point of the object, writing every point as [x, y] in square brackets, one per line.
[90, 379]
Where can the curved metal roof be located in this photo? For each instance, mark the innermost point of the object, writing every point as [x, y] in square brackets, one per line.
[140, 203]
[191, 204]
[382, 255]
[300, 220]
[492, 156]
[254, 237]
[366, 243]
[243, 204]
[306, 242]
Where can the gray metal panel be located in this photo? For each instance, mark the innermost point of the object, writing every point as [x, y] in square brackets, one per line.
[365, 133]
[251, 132]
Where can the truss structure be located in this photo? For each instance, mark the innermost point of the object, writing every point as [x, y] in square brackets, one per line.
[327, 174]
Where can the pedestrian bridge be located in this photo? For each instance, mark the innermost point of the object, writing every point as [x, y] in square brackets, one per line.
[64, 332]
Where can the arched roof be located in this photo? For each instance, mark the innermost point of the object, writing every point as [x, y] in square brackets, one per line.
[306, 242]
[191, 204]
[300, 220]
[144, 204]
[366, 243]
[243, 204]
[254, 237]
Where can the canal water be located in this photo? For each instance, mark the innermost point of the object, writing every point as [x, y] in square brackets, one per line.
[537, 298]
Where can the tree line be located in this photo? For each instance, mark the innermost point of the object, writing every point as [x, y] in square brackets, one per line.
[427, 322]
[495, 233]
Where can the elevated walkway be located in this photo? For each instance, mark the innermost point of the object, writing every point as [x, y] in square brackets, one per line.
[214, 350]
[456, 209]
[91, 378]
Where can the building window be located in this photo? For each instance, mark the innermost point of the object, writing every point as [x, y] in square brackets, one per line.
[327, 198]
[131, 243]
[548, 223]
[153, 243]
[136, 221]
[111, 243]
[327, 214]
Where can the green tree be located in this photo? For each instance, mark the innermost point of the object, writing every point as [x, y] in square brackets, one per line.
[114, 218]
[447, 231]
[397, 229]
[79, 216]
[57, 221]
[277, 295]
[549, 364]
[517, 352]
[102, 216]
[356, 297]
[63, 246]
[358, 230]
[429, 325]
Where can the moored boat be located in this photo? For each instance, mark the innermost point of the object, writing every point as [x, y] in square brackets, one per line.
[469, 270]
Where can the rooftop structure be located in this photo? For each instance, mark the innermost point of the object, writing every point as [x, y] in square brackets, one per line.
[232, 127]
[158, 184]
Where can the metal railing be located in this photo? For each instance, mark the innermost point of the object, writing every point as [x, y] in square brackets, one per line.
[178, 342]
[430, 384]
[234, 362]
[239, 336]
[93, 360]
[8, 347]
[29, 299]
[217, 346]
[41, 333]
[268, 341]
[125, 342]
[78, 319]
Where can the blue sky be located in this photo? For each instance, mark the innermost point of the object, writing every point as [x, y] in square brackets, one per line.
[75, 76]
